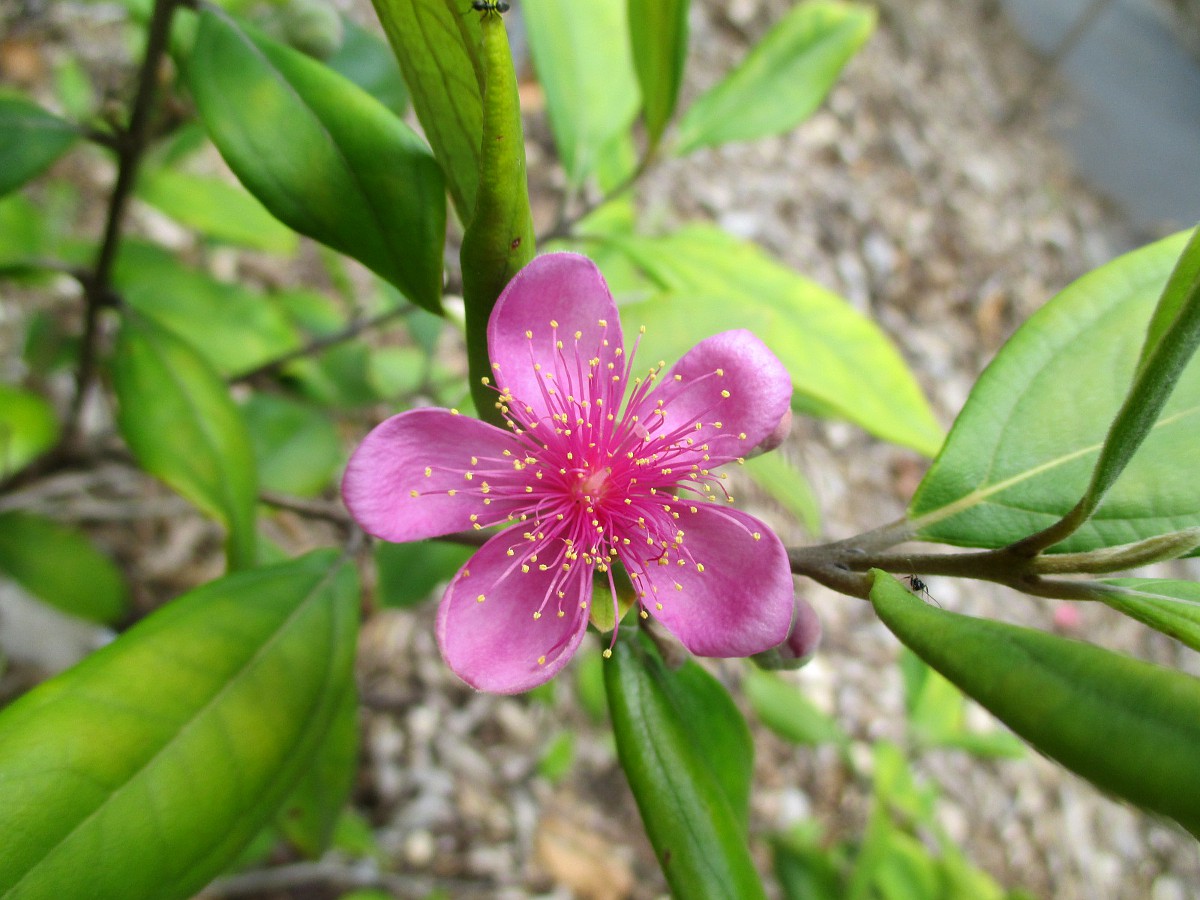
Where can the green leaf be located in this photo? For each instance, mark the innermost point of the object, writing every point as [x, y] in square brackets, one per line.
[698, 835]
[310, 815]
[839, 360]
[786, 484]
[23, 234]
[805, 870]
[28, 428]
[1130, 727]
[166, 752]
[937, 714]
[787, 712]
[1022, 451]
[437, 45]
[585, 68]
[216, 209]
[499, 240]
[60, 566]
[296, 447]
[1165, 354]
[241, 329]
[31, 139]
[367, 60]
[558, 757]
[1179, 294]
[322, 155]
[658, 34]
[176, 414]
[408, 573]
[1167, 605]
[782, 80]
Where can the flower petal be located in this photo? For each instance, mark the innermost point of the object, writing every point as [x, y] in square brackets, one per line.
[732, 385]
[566, 289]
[486, 627]
[408, 479]
[742, 601]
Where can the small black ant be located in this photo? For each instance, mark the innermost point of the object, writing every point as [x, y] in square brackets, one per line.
[491, 7]
[917, 586]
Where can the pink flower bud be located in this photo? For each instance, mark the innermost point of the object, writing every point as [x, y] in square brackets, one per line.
[776, 437]
[801, 644]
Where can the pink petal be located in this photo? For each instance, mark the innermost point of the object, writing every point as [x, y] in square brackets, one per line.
[392, 461]
[568, 289]
[496, 644]
[759, 395]
[742, 603]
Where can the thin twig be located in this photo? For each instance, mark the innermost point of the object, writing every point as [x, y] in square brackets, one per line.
[562, 228]
[312, 509]
[324, 342]
[130, 145]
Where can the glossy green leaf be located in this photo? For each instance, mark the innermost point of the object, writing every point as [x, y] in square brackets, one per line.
[28, 428]
[788, 487]
[839, 359]
[216, 209]
[61, 567]
[937, 714]
[165, 753]
[698, 835]
[177, 416]
[1167, 605]
[322, 155]
[1179, 293]
[786, 711]
[367, 60]
[437, 45]
[499, 240]
[408, 573]
[1130, 727]
[783, 79]
[31, 139]
[585, 68]
[296, 447]
[310, 815]
[241, 329]
[658, 35]
[1167, 351]
[1022, 452]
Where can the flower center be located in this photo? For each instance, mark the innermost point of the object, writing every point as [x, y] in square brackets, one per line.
[591, 486]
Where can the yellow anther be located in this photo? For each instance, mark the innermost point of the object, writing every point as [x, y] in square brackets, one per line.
[525, 570]
[428, 471]
[414, 494]
[541, 660]
[480, 598]
[536, 616]
[607, 654]
[725, 394]
[553, 323]
[699, 567]
[561, 614]
[529, 334]
[758, 535]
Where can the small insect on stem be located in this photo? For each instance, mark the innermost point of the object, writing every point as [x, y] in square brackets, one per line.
[491, 7]
[917, 586]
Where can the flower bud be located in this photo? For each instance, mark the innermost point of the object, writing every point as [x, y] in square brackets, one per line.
[801, 644]
[775, 438]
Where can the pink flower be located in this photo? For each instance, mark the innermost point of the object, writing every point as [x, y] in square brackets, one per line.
[585, 480]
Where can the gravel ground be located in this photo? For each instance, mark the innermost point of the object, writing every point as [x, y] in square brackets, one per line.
[906, 196]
